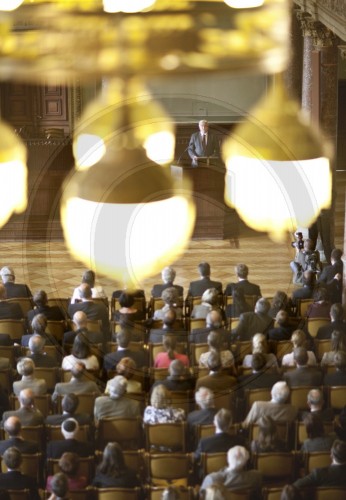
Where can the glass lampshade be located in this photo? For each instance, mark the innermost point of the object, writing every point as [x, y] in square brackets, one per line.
[278, 174]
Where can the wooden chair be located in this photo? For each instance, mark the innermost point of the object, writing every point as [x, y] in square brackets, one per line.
[139, 330]
[185, 493]
[183, 399]
[190, 302]
[213, 462]
[276, 467]
[252, 395]
[283, 431]
[42, 403]
[94, 375]
[51, 375]
[10, 352]
[85, 405]
[26, 303]
[302, 306]
[125, 431]
[155, 303]
[337, 397]
[329, 493]
[61, 302]
[94, 325]
[298, 396]
[31, 466]
[251, 300]
[232, 323]
[139, 303]
[34, 433]
[301, 435]
[119, 493]
[15, 328]
[316, 460]
[53, 433]
[86, 467]
[88, 493]
[134, 460]
[196, 350]
[280, 347]
[225, 399]
[166, 437]
[167, 469]
[202, 431]
[271, 493]
[6, 380]
[313, 325]
[194, 323]
[156, 374]
[241, 349]
[322, 346]
[57, 329]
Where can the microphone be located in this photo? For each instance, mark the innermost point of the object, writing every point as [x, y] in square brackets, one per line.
[182, 154]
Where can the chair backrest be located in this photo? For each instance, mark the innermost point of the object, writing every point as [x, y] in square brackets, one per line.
[134, 460]
[329, 492]
[251, 300]
[225, 399]
[53, 433]
[10, 352]
[157, 374]
[302, 306]
[282, 428]
[185, 493]
[31, 465]
[15, 328]
[280, 347]
[26, 303]
[85, 405]
[322, 346]
[119, 493]
[6, 380]
[56, 328]
[155, 304]
[336, 397]
[51, 375]
[34, 433]
[241, 349]
[61, 302]
[86, 467]
[202, 431]
[213, 462]
[316, 459]
[94, 325]
[125, 431]
[301, 434]
[166, 437]
[298, 396]
[42, 403]
[166, 469]
[272, 493]
[183, 399]
[275, 465]
[196, 351]
[252, 395]
[313, 325]
[194, 323]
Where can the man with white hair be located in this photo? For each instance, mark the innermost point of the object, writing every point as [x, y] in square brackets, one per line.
[251, 323]
[116, 404]
[27, 413]
[80, 320]
[26, 368]
[37, 354]
[235, 476]
[168, 276]
[204, 398]
[315, 402]
[9, 310]
[202, 144]
[13, 290]
[70, 443]
[278, 408]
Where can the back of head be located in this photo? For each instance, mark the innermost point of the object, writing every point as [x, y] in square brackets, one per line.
[170, 296]
[280, 300]
[320, 294]
[315, 398]
[13, 426]
[169, 343]
[309, 245]
[77, 370]
[36, 344]
[81, 348]
[259, 343]
[210, 296]
[214, 319]
[313, 425]
[340, 361]
[309, 278]
[214, 340]
[126, 367]
[223, 420]
[80, 319]
[84, 291]
[300, 356]
[113, 463]
[69, 428]
[339, 451]
[169, 317]
[124, 338]
[40, 298]
[336, 255]
[214, 361]
[298, 338]
[25, 366]
[160, 397]
[337, 312]
[117, 387]
[12, 458]
[237, 458]
[176, 369]
[26, 398]
[204, 269]
[69, 403]
[204, 398]
[126, 299]
[262, 306]
[59, 485]
[258, 361]
[282, 317]
[39, 324]
[7, 274]
[280, 392]
[89, 278]
[168, 274]
[242, 271]
[69, 463]
[338, 340]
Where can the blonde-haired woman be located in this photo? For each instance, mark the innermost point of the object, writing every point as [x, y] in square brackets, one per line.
[160, 410]
[259, 344]
[298, 339]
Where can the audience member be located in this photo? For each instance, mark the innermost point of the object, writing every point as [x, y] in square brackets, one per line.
[204, 398]
[171, 300]
[306, 291]
[196, 288]
[338, 343]
[239, 304]
[124, 350]
[52, 313]
[70, 443]
[268, 439]
[116, 404]
[26, 368]
[209, 301]
[320, 308]
[339, 376]
[170, 327]
[13, 427]
[283, 329]
[168, 276]
[315, 403]
[160, 410]
[164, 359]
[13, 479]
[128, 311]
[250, 323]
[213, 322]
[78, 384]
[331, 276]
[80, 352]
[298, 339]
[38, 327]
[13, 290]
[215, 345]
[40, 358]
[259, 344]
[336, 323]
[69, 465]
[279, 302]
[179, 378]
[317, 440]
[217, 380]
[242, 271]
[80, 321]
[112, 471]
[9, 310]
[69, 406]
[127, 367]
[303, 375]
[261, 377]
[59, 487]
[89, 278]
[27, 413]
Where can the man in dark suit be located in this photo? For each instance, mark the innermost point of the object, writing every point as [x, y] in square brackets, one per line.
[69, 429]
[69, 405]
[38, 327]
[307, 290]
[9, 310]
[303, 374]
[111, 359]
[13, 289]
[217, 380]
[202, 143]
[242, 271]
[168, 276]
[204, 398]
[77, 385]
[331, 276]
[250, 323]
[169, 319]
[283, 330]
[80, 319]
[37, 354]
[315, 403]
[179, 378]
[196, 288]
[27, 413]
[13, 428]
[213, 323]
[260, 378]
[93, 310]
[339, 376]
[40, 300]
[337, 323]
[222, 440]
[14, 479]
[334, 475]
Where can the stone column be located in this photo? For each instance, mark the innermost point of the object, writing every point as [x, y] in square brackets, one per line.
[293, 74]
[306, 23]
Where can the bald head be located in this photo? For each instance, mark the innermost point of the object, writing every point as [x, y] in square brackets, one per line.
[26, 398]
[85, 291]
[214, 319]
[13, 426]
[36, 344]
[169, 318]
[80, 319]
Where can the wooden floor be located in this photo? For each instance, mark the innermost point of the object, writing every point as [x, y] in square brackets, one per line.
[48, 265]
